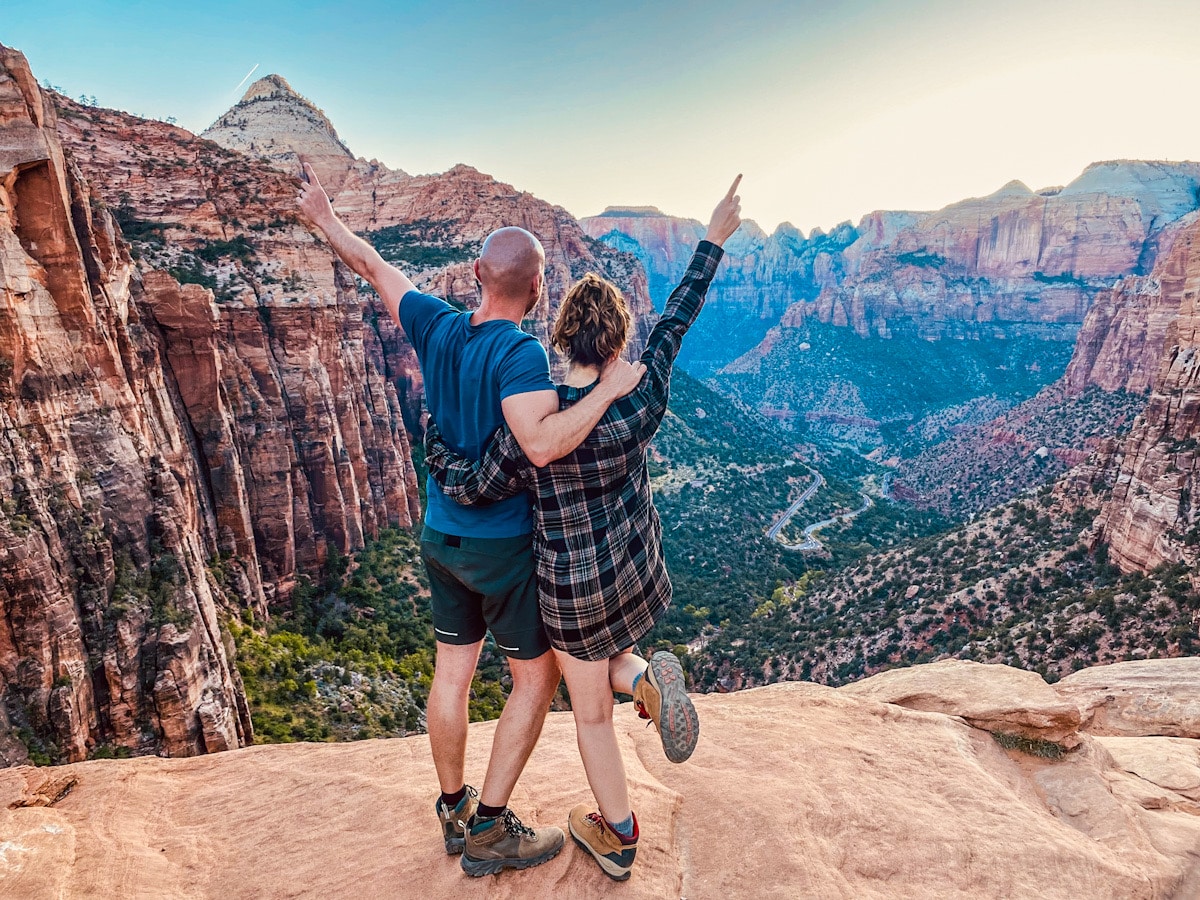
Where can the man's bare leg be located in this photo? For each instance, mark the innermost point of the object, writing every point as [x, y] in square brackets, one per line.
[446, 711]
[520, 725]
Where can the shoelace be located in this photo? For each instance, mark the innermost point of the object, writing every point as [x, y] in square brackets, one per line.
[642, 714]
[513, 825]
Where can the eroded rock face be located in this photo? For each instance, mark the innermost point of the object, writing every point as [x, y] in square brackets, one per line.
[760, 277]
[280, 360]
[109, 627]
[1012, 263]
[869, 800]
[1154, 514]
[1156, 697]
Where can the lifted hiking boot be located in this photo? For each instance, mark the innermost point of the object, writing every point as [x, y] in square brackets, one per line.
[504, 843]
[453, 819]
[661, 698]
[613, 853]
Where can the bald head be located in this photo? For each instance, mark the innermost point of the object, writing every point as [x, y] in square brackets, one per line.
[510, 265]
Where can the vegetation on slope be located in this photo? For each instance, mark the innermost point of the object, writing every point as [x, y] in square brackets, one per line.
[1019, 586]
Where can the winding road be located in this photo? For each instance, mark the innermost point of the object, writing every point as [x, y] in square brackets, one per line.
[810, 541]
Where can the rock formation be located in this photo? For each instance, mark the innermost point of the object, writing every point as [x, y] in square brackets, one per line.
[300, 432]
[1153, 516]
[451, 212]
[110, 628]
[288, 127]
[869, 799]
[762, 275]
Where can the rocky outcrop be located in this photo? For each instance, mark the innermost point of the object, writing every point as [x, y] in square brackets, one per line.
[287, 128]
[1138, 698]
[870, 800]
[990, 697]
[1153, 516]
[1120, 346]
[109, 626]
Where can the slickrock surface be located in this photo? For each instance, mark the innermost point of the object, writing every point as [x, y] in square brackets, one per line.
[991, 697]
[1144, 697]
[795, 790]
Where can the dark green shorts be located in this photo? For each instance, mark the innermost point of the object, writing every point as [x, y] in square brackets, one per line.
[479, 584]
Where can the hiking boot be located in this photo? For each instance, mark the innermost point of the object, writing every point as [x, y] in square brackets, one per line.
[661, 698]
[504, 843]
[453, 819]
[612, 852]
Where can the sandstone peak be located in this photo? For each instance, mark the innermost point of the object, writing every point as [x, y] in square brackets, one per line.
[1164, 190]
[273, 122]
[1015, 188]
[631, 212]
[271, 86]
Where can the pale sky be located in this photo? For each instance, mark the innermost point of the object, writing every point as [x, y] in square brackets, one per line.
[831, 109]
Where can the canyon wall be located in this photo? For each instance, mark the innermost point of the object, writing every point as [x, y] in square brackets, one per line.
[110, 631]
[1153, 515]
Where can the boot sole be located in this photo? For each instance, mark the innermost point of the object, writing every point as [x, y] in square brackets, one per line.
[477, 868]
[678, 724]
[613, 871]
[454, 846]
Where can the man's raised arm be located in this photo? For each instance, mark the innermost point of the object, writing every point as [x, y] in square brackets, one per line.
[364, 260]
[545, 433]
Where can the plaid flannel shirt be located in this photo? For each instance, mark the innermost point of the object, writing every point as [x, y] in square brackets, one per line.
[602, 580]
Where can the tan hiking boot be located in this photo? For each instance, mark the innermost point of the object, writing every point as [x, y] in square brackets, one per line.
[660, 697]
[452, 819]
[592, 833]
[504, 843]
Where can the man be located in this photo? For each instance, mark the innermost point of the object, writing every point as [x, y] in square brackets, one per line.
[481, 370]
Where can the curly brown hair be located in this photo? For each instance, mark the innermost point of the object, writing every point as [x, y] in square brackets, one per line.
[593, 322]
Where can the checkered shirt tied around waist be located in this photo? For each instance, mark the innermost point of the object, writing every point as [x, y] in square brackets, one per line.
[602, 580]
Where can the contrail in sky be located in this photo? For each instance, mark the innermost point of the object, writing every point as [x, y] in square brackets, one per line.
[248, 74]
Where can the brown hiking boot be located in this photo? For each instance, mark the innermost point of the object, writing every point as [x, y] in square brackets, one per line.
[660, 697]
[592, 833]
[504, 843]
[452, 819]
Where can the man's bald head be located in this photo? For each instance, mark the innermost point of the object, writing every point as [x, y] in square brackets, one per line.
[510, 265]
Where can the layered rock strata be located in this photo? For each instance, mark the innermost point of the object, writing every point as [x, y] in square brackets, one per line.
[109, 626]
[299, 427]
[761, 276]
[871, 799]
[1153, 516]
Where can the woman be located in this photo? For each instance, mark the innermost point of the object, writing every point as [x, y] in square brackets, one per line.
[602, 580]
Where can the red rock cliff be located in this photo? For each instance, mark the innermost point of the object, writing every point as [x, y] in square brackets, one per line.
[300, 432]
[109, 627]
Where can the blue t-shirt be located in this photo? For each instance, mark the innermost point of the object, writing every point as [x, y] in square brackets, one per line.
[468, 370]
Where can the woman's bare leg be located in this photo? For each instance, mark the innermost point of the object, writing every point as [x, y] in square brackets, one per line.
[592, 704]
[623, 668]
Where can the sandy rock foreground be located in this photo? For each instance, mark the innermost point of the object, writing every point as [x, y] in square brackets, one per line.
[796, 790]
